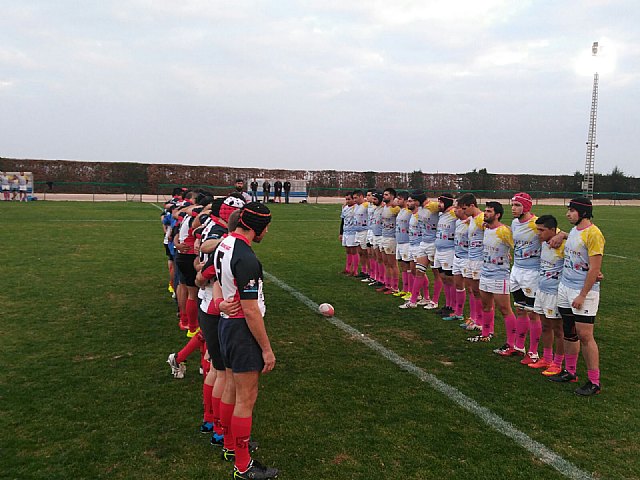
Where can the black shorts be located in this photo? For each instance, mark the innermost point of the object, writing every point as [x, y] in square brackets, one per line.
[240, 350]
[167, 250]
[448, 273]
[522, 300]
[209, 326]
[184, 262]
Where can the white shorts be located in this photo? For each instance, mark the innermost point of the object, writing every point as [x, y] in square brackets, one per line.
[22, 188]
[428, 250]
[546, 304]
[494, 285]
[361, 239]
[369, 237]
[415, 252]
[475, 269]
[5, 188]
[525, 280]
[402, 252]
[459, 265]
[349, 239]
[388, 245]
[377, 241]
[567, 295]
[443, 259]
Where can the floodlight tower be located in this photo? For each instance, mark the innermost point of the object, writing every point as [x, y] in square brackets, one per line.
[587, 184]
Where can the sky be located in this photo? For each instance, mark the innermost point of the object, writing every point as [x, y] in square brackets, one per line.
[378, 85]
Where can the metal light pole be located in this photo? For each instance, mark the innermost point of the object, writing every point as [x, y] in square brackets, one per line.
[587, 184]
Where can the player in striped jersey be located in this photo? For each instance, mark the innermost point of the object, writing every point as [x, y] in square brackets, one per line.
[376, 230]
[460, 260]
[389, 213]
[429, 220]
[361, 226]
[403, 256]
[473, 269]
[579, 295]
[445, 244]
[348, 235]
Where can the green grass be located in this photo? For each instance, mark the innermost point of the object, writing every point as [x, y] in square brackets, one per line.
[87, 325]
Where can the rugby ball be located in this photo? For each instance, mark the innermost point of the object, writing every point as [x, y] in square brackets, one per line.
[326, 309]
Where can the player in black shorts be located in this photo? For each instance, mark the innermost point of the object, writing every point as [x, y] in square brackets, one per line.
[244, 343]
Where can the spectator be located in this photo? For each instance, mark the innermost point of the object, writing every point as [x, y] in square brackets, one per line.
[266, 190]
[254, 190]
[287, 189]
[277, 191]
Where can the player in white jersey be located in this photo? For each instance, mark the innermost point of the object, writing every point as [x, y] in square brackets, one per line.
[376, 231]
[6, 187]
[22, 186]
[494, 278]
[471, 273]
[390, 211]
[546, 304]
[579, 295]
[429, 220]
[348, 235]
[403, 257]
[371, 261]
[361, 227]
[524, 277]
[460, 260]
[445, 245]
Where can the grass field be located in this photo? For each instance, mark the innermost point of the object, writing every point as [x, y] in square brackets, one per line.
[87, 325]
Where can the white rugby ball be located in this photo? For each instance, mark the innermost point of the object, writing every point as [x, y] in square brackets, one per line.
[326, 309]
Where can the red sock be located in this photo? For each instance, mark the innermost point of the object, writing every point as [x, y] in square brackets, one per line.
[522, 327]
[215, 409]
[207, 398]
[226, 413]
[535, 331]
[242, 431]
[192, 314]
[192, 345]
[461, 297]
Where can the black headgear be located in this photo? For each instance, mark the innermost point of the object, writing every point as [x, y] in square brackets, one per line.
[583, 206]
[215, 206]
[255, 216]
[446, 199]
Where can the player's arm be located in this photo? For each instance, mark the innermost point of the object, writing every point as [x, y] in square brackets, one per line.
[255, 322]
[210, 245]
[558, 238]
[595, 263]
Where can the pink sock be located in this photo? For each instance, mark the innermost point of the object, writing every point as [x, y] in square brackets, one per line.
[547, 355]
[472, 308]
[437, 288]
[522, 327]
[492, 318]
[535, 331]
[452, 296]
[557, 360]
[425, 286]
[415, 290]
[571, 363]
[510, 328]
[486, 323]
[478, 304]
[461, 297]
[405, 281]
[395, 283]
[373, 268]
[347, 264]
[410, 279]
[594, 376]
[356, 263]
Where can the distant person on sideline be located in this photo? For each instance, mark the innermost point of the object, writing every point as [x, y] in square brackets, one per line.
[240, 189]
[254, 190]
[287, 189]
[277, 191]
[266, 191]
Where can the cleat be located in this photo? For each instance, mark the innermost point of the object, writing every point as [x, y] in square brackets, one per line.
[206, 427]
[588, 389]
[541, 363]
[255, 471]
[362, 276]
[228, 455]
[423, 301]
[552, 370]
[193, 333]
[530, 358]
[398, 293]
[430, 305]
[372, 283]
[177, 370]
[170, 289]
[564, 377]
[519, 351]
[389, 292]
[453, 317]
[408, 304]
[366, 279]
[480, 339]
[406, 296]
[505, 351]
[217, 440]
[201, 371]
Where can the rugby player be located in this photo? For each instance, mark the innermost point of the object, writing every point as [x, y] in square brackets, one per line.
[524, 276]
[403, 257]
[579, 295]
[388, 247]
[348, 235]
[244, 343]
[419, 260]
[468, 203]
[443, 259]
[546, 304]
[494, 277]
[377, 250]
[361, 228]
[460, 261]
[429, 216]
[6, 187]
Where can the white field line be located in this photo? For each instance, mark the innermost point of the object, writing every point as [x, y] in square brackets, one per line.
[618, 256]
[537, 449]
[89, 220]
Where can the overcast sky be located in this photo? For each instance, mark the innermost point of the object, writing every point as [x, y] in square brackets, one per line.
[379, 85]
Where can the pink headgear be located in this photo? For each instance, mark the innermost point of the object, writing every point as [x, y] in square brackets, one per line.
[524, 199]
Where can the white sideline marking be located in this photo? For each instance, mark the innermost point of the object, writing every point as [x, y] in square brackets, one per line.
[616, 256]
[89, 220]
[539, 450]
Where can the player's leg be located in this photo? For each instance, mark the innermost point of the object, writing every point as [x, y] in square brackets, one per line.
[503, 304]
[590, 353]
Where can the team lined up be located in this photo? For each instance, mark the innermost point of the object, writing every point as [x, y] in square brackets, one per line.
[208, 244]
[393, 238]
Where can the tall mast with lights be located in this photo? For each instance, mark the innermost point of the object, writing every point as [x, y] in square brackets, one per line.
[589, 166]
